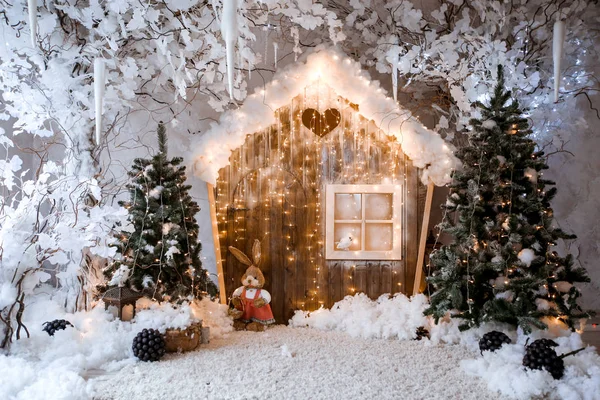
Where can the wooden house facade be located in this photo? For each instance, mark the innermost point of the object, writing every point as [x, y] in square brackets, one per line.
[333, 198]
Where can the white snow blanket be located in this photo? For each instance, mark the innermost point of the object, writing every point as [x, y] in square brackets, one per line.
[358, 349]
[398, 317]
[53, 368]
[299, 363]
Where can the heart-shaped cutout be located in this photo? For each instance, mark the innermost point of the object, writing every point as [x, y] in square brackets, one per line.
[321, 124]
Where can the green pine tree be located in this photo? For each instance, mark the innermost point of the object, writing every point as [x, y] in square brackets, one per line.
[501, 265]
[162, 255]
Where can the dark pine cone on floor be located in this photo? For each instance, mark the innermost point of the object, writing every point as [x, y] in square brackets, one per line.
[492, 341]
[50, 327]
[148, 345]
[422, 332]
[541, 355]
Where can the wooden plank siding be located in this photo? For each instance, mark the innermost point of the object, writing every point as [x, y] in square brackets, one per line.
[274, 190]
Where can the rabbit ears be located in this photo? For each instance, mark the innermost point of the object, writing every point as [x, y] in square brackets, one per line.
[243, 258]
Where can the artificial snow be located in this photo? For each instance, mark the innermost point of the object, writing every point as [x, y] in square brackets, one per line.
[147, 281]
[396, 317]
[171, 251]
[147, 169]
[563, 286]
[452, 199]
[504, 372]
[360, 348]
[156, 192]
[120, 276]
[8, 294]
[167, 227]
[299, 363]
[55, 367]
[489, 124]
[526, 256]
[507, 295]
[531, 174]
[543, 304]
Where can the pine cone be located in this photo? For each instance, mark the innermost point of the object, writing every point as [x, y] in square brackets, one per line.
[50, 327]
[422, 333]
[492, 341]
[148, 345]
[540, 355]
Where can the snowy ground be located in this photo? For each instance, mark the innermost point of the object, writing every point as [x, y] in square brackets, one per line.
[359, 349]
[300, 363]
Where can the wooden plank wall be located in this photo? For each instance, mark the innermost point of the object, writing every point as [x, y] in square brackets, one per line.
[273, 190]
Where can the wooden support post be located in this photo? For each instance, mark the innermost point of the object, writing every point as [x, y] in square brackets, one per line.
[423, 239]
[215, 229]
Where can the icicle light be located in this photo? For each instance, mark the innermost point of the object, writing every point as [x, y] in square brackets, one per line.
[558, 41]
[32, 10]
[99, 78]
[229, 31]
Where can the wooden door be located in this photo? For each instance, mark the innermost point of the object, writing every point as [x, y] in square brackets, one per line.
[269, 204]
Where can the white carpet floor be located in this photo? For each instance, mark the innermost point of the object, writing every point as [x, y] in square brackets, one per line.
[307, 364]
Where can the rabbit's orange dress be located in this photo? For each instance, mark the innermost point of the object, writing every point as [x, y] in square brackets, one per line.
[262, 315]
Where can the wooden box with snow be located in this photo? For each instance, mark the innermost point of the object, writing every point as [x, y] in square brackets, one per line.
[326, 171]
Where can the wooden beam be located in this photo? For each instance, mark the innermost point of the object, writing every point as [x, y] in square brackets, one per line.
[215, 229]
[423, 240]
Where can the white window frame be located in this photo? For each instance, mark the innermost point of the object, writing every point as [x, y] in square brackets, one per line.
[331, 253]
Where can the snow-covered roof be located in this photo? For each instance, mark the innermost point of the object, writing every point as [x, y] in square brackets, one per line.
[425, 148]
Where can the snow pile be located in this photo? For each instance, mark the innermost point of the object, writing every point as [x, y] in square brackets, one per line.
[54, 367]
[396, 317]
[503, 371]
[21, 379]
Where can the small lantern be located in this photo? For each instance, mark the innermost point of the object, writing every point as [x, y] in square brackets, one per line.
[120, 297]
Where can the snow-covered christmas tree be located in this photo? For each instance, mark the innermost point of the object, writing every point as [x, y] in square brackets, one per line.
[162, 254]
[502, 265]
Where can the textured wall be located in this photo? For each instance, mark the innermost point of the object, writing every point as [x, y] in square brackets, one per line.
[577, 203]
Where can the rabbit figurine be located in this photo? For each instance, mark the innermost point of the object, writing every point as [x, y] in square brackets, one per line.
[251, 297]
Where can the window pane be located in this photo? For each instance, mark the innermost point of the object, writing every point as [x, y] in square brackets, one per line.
[379, 206]
[379, 237]
[347, 236]
[348, 206]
